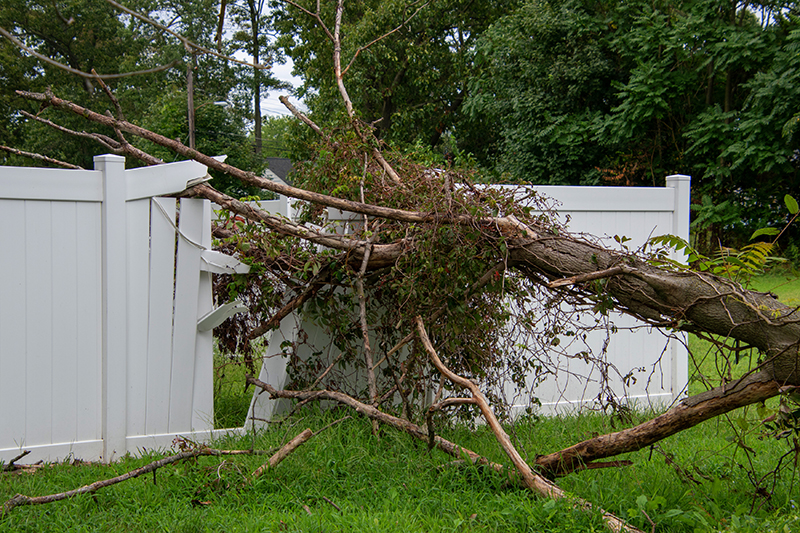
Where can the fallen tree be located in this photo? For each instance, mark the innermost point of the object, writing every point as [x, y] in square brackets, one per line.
[436, 246]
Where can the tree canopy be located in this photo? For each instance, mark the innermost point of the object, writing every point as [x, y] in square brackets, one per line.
[628, 93]
[143, 64]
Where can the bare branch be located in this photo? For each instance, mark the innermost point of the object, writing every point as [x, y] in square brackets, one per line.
[40, 157]
[534, 481]
[104, 140]
[21, 499]
[582, 278]
[220, 24]
[120, 114]
[81, 73]
[300, 116]
[189, 45]
[284, 452]
[385, 35]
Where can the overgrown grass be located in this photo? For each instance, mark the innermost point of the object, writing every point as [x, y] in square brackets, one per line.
[345, 479]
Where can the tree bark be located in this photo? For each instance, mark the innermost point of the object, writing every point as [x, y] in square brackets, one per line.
[690, 301]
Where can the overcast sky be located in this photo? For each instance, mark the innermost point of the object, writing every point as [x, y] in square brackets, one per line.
[271, 105]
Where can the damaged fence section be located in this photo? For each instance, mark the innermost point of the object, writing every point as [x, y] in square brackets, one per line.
[105, 310]
[643, 366]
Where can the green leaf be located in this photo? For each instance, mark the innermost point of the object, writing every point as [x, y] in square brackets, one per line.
[791, 204]
[765, 231]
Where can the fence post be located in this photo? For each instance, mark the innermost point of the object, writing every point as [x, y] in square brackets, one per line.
[680, 219]
[114, 252]
[682, 185]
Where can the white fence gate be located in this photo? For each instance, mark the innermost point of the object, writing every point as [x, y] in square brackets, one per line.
[659, 364]
[101, 352]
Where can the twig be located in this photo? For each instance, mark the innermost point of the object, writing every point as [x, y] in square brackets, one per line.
[81, 73]
[11, 466]
[385, 35]
[362, 306]
[295, 303]
[581, 278]
[483, 280]
[532, 480]
[107, 90]
[333, 504]
[40, 157]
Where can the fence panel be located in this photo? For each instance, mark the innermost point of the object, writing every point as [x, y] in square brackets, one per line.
[94, 361]
[50, 359]
[659, 366]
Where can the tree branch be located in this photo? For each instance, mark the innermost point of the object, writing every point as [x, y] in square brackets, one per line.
[40, 157]
[189, 45]
[81, 73]
[507, 224]
[21, 499]
[680, 417]
[533, 481]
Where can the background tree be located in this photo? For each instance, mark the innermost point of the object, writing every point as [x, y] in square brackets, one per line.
[85, 35]
[410, 86]
[628, 93]
[253, 36]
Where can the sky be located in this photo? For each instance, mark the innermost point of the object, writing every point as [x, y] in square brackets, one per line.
[271, 105]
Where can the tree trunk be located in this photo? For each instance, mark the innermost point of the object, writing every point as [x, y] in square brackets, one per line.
[254, 14]
[691, 301]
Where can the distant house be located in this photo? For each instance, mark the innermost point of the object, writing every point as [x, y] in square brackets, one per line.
[278, 169]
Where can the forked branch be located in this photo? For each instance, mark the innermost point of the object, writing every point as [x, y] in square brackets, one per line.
[532, 480]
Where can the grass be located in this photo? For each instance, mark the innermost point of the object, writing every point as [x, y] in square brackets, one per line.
[709, 365]
[346, 479]
[393, 483]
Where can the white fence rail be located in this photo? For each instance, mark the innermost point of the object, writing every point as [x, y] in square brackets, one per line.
[659, 364]
[100, 297]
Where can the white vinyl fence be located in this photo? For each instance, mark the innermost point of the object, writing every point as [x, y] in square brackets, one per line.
[658, 365]
[105, 310]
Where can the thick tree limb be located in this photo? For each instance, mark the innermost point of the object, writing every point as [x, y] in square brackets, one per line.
[678, 418]
[683, 300]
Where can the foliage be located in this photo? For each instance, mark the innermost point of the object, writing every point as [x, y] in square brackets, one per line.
[633, 92]
[88, 35]
[546, 90]
[739, 265]
[411, 84]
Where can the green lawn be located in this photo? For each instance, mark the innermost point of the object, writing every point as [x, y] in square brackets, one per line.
[716, 476]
